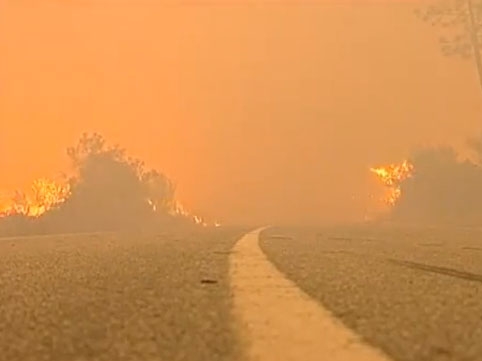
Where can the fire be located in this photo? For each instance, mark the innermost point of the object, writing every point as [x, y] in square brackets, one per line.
[392, 176]
[46, 194]
[43, 196]
[178, 209]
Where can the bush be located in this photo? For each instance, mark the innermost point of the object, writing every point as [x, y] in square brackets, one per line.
[442, 189]
[109, 192]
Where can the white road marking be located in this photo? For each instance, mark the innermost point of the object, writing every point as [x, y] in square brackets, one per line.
[279, 322]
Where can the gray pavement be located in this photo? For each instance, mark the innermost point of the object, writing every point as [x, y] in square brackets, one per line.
[117, 297]
[414, 293]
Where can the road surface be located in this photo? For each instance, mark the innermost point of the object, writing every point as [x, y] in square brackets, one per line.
[414, 293]
[307, 294]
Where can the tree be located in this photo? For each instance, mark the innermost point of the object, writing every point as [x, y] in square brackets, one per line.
[111, 190]
[465, 17]
[443, 189]
[160, 190]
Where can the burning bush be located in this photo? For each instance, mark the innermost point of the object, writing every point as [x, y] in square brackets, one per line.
[440, 188]
[109, 191]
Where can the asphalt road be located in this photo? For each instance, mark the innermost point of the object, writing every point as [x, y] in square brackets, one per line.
[111, 297]
[414, 294]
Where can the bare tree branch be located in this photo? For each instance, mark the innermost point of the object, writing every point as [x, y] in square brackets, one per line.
[463, 21]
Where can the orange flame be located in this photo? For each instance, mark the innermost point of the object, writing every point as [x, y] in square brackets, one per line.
[47, 194]
[44, 195]
[178, 209]
[391, 177]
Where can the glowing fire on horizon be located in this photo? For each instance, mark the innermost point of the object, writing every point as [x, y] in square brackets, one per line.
[45, 195]
[179, 210]
[391, 176]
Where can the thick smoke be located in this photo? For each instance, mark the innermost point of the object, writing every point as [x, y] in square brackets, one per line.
[443, 188]
[109, 192]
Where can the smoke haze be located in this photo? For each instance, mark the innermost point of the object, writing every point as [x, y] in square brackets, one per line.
[259, 113]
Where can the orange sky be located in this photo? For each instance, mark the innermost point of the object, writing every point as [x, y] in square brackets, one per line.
[260, 112]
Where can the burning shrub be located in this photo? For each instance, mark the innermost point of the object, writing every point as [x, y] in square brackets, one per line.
[439, 188]
[109, 191]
